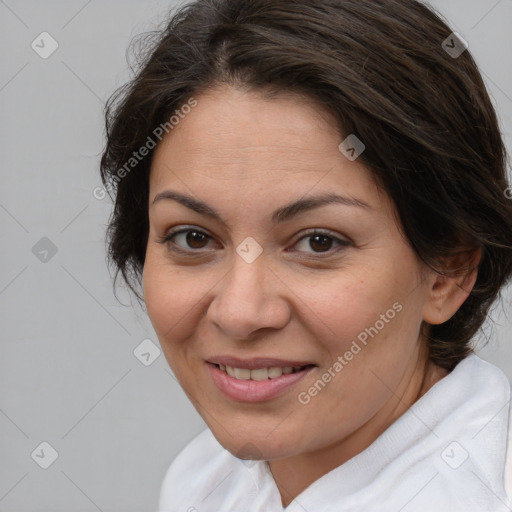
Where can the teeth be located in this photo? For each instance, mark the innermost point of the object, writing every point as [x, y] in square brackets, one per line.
[242, 373]
[258, 374]
[276, 372]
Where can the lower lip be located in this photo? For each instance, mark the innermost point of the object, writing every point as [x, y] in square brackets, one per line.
[254, 390]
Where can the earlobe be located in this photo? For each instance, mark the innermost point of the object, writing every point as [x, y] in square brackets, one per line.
[449, 291]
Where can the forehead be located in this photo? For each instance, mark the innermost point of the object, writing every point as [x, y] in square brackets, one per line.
[238, 140]
[234, 123]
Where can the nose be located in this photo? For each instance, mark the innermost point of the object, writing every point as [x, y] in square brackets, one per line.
[250, 298]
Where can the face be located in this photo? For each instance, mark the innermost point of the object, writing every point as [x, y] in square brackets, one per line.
[333, 287]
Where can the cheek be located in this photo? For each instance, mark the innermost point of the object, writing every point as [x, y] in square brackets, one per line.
[363, 350]
[372, 337]
[368, 315]
[170, 299]
[345, 309]
[171, 305]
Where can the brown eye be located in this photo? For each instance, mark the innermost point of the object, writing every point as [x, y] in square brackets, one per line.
[320, 242]
[195, 239]
[189, 240]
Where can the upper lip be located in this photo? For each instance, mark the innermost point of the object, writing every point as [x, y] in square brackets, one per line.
[256, 362]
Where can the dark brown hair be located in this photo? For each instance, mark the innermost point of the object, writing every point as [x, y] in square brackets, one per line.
[432, 138]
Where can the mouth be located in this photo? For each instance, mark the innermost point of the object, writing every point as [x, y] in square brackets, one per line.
[261, 374]
[260, 382]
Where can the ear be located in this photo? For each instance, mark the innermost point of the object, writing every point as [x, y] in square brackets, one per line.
[448, 292]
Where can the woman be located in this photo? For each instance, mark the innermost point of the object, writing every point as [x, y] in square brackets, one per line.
[313, 197]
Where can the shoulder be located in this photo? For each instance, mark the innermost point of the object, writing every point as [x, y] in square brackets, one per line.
[190, 462]
[486, 419]
[462, 441]
[200, 466]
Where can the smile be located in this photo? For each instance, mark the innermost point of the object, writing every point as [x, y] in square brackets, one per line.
[259, 374]
[256, 384]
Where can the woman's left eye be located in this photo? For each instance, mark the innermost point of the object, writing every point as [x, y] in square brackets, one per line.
[196, 240]
[323, 241]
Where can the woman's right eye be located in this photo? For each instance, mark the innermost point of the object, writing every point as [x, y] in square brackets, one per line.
[192, 240]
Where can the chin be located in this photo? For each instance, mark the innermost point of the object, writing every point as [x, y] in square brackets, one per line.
[253, 447]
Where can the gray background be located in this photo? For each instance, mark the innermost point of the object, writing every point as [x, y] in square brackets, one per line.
[68, 374]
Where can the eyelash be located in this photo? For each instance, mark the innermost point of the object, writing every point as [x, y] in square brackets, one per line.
[167, 240]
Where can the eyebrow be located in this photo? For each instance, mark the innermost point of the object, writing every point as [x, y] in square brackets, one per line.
[282, 214]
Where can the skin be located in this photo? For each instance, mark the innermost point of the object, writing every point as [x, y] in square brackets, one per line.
[246, 155]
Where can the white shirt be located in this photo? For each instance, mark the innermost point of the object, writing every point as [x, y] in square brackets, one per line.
[450, 452]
